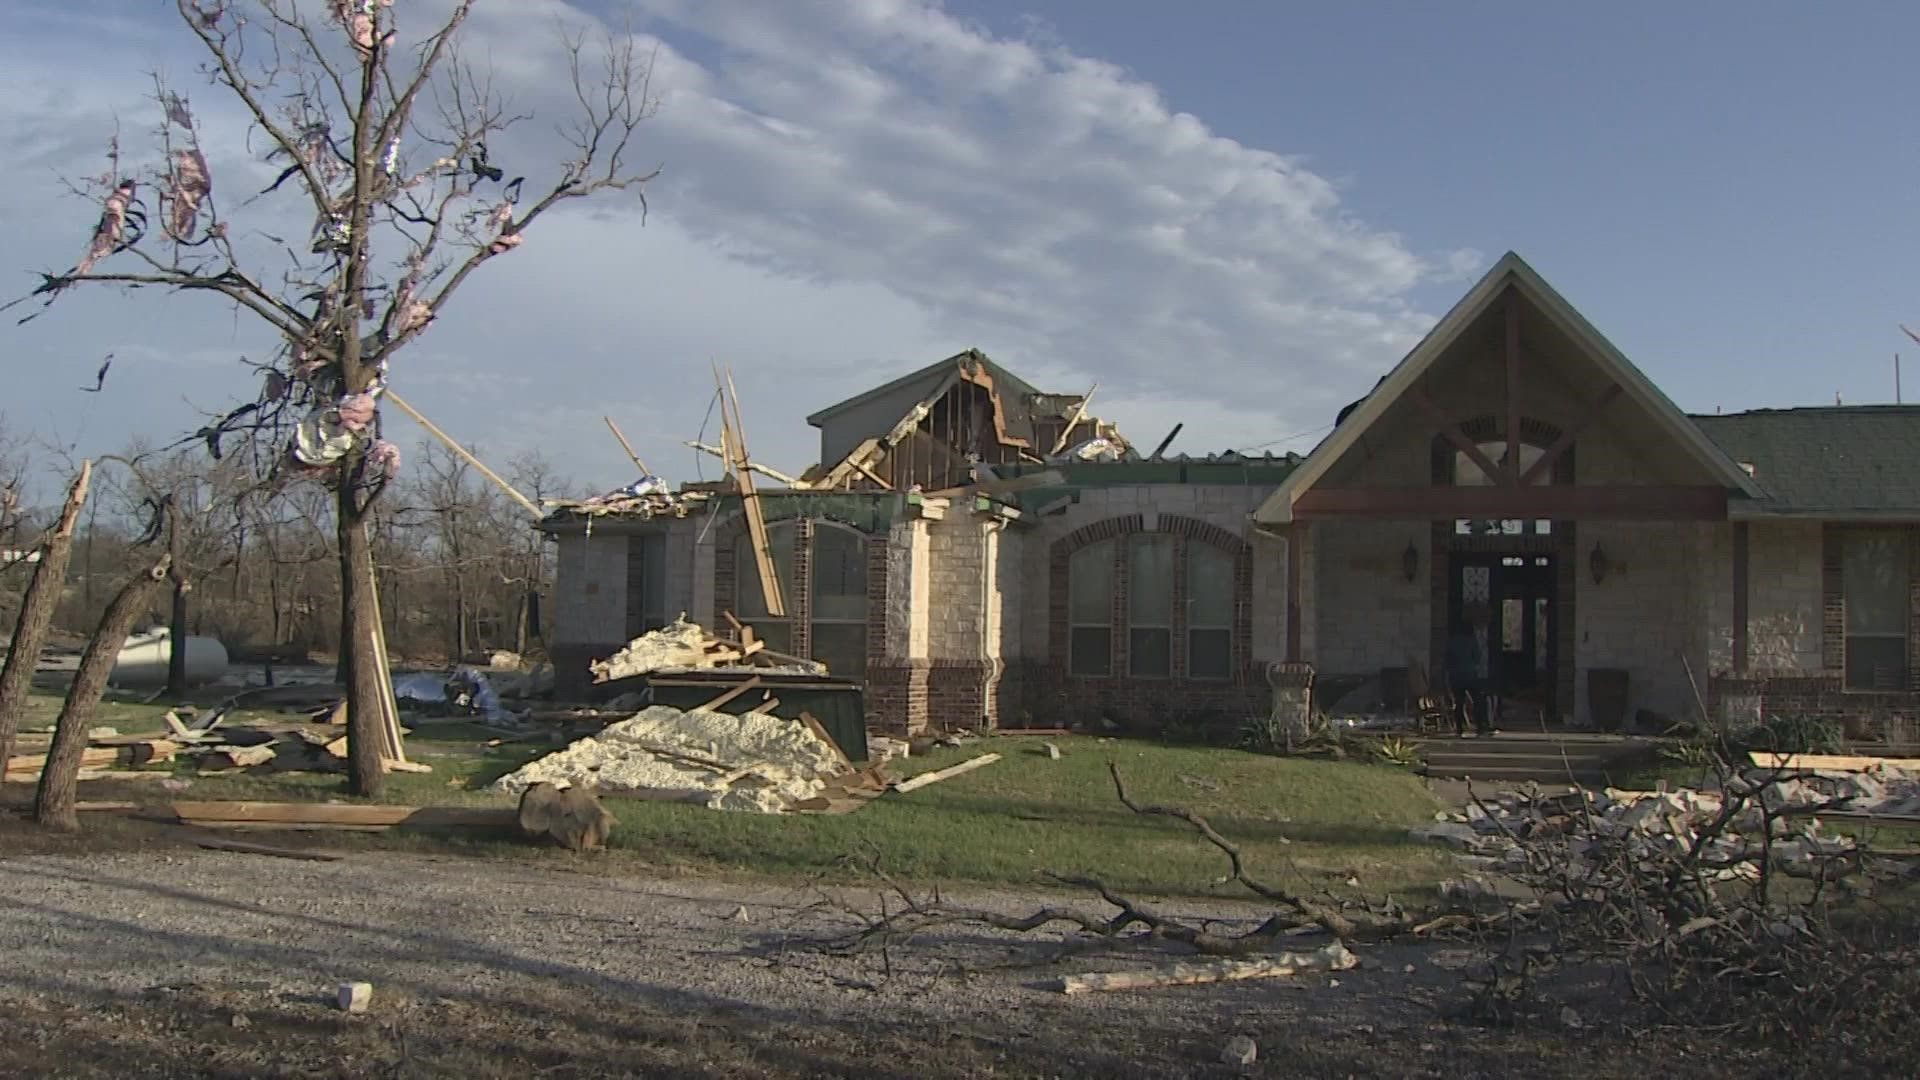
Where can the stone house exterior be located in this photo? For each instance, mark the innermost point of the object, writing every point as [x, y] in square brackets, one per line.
[1631, 558]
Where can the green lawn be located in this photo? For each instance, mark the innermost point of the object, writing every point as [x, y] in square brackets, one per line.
[1309, 823]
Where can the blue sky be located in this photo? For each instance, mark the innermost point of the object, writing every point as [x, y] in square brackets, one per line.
[1232, 214]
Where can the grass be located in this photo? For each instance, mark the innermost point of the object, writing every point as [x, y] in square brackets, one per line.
[1312, 824]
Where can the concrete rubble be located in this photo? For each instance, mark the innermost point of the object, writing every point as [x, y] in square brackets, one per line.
[750, 762]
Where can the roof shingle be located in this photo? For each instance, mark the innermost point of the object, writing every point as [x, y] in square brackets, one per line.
[1827, 460]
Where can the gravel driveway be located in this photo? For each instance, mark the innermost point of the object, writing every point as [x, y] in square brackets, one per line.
[486, 962]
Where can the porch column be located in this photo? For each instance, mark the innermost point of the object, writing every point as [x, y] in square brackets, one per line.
[1740, 596]
[1295, 535]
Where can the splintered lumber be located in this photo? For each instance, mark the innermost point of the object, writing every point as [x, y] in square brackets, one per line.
[733, 442]
[215, 843]
[820, 732]
[464, 453]
[1073, 421]
[28, 766]
[934, 777]
[627, 446]
[264, 815]
[1334, 957]
[751, 683]
[1834, 762]
[771, 703]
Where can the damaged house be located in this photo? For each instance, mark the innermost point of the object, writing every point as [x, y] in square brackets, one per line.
[976, 550]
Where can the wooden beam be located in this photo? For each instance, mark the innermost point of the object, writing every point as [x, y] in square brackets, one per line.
[938, 775]
[1560, 445]
[1512, 307]
[1295, 536]
[1166, 442]
[1451, 432]
[1622, 502]
[1741, 568]
[770, 473]
[512, 492]
[733, 443]
[627, 446]
[1073, 419]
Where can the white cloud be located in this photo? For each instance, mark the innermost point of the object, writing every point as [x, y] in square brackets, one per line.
[853, 188]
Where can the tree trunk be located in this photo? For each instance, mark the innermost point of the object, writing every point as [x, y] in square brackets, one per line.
[36, 612]
[53, 803]
[360, 672]
[177, 624]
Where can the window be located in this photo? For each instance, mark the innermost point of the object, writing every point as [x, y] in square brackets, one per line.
[1090, 609]
[1150, 606]
[1209, 612]
[1162, 606]
[839, 601]
[1874, 588]
[1467, 473]
[749, 599]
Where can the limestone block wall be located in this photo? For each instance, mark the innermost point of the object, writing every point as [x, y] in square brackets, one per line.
[1649, 611]
[1368, 615]
[589, 603]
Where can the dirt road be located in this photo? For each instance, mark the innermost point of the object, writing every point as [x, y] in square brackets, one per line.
[181, 962]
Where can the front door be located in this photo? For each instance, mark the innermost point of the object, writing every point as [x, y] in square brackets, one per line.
[1516, 593]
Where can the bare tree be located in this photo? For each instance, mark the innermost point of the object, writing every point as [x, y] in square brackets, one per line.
[36, 611]
[383, 134]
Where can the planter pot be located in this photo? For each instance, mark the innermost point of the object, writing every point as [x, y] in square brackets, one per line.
[1607, 697]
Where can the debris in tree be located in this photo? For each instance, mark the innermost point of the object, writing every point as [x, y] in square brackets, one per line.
[934, 777]
[571, 816]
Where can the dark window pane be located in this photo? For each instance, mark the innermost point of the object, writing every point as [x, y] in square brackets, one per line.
[1876, 663]
[1210, 654]
[842, 647]
[1150, 581]
[1090, 585]
[1090, 650]
[1150, 653]
[1873, 580]
[839, 574]
[749, 600]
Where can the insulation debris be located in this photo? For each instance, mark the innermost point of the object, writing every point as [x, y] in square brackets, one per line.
[684, 645]
[644, 499]
[752, 762]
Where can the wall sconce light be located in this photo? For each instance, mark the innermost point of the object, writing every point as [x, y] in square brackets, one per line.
[1598, 563]
[1410, 562]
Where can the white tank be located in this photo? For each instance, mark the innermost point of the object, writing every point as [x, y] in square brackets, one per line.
[143, 660]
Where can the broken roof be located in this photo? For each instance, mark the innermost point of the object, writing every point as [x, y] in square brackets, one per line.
[927, 381]
[1851, 461]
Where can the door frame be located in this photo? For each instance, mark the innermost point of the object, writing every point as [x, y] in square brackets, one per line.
[1562, 544]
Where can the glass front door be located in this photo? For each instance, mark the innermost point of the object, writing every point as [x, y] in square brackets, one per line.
[1514, 594]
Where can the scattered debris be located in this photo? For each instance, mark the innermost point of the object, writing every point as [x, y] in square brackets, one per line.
[1240, 1050]
[684, 645]
[1051, 750]
[749, 762]
[351, 817]
[1332, 957]
[571, 816]
[354, 997]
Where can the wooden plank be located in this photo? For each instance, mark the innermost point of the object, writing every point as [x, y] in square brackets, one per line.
[627, 446]
[1512, 312]
[766, 706]
[820, 732]
[215, 843]
[742, 688]
[1567, 437]
[1166, 442]
[1619, 502]
[1740, 597]
[1073, 420]
[1767, 759]
[98, 757]
[917, 782]
[1334, 957]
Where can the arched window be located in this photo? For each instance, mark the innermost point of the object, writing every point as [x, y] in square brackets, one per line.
[839, 601]
[1468, 473]
[750, 600]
